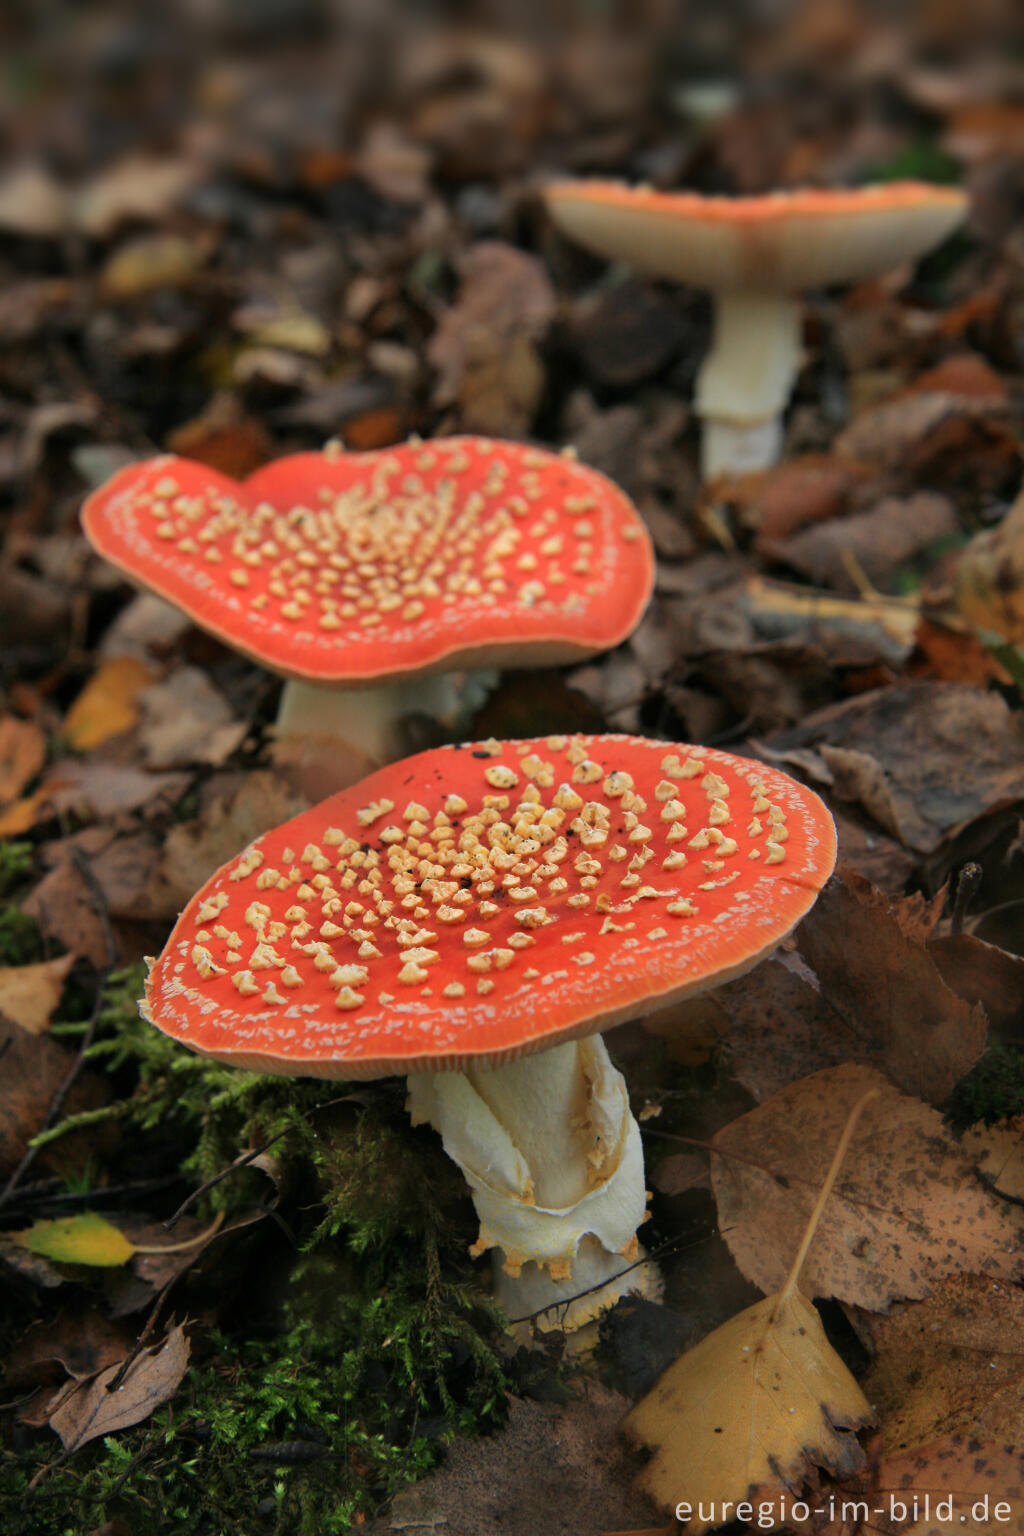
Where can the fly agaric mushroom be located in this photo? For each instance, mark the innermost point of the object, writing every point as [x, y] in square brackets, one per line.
[363, 577]
[472, 917]
[755, 254]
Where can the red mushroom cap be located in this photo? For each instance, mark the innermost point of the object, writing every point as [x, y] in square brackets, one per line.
[340, 567]
[473, 903]
[778, 242]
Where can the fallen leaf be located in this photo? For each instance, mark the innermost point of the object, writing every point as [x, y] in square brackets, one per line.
[149, 263]
[186, 719]
[551, 1468]
[33, 1068]
[79, 1342]
[30, 993]
[84, 1239]
[990, 578]
[151, 1379]
[22, 755]
[873, 544]
[907, 1210]
[194, 849]
[23, 815]
[108, 704]
[758, 1402]
[138, 186]
[103, 788]
[483, 347]
[885, 992]
[947, 1379]
[950, 753]
[982, 973]
[998, 1151]
[864, 987]
[64, 908]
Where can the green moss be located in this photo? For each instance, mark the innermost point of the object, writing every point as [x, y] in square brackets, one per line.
[20, 939]
[15, 864]
[993, 1089]
[332, 1376]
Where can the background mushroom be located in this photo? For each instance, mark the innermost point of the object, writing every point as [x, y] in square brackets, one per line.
[370, 579]
[472, 917]
[755, 254]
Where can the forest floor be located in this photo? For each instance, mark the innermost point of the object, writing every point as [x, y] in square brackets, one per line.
[235, 232]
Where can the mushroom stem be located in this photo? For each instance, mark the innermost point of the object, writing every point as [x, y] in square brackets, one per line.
[366, 719]
[552, 1154]
[745, 380]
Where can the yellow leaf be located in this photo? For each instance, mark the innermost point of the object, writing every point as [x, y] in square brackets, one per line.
[106, 706]
[753, 1406]
[757, 1404]
[30, 993]
[85, 1239]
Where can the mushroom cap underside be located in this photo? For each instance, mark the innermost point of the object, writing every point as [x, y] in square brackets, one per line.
[781, 242]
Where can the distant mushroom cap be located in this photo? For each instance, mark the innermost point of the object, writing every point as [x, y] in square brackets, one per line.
[338, 567]
[779, 242]
[473, 903]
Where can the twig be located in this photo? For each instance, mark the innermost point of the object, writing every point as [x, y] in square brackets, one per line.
[967, 883]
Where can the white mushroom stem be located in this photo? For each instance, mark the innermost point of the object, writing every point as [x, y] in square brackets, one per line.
[552, 1153]
[366, 719]
[746, 379]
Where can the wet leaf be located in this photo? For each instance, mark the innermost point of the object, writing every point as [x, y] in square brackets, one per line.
[84, 1239]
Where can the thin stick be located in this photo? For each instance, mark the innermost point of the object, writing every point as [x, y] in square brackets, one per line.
[826, 1190]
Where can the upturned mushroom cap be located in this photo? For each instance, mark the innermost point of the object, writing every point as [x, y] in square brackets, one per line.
[782, 242]
[337, 567]
[472, 903]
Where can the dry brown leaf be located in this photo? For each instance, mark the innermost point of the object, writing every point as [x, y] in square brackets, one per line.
[998, 1151]
[22, 755]
[187, 720]
[951, 753]
[758, 1402]
[873, 543]
[64, 908]
[982, 973]
[948, 1382]
[152, 1379]
[483, 347]
[194, 849]
[105, 788]
[108, 704]
[908, 1209]
[884, 990]
[990, 578]
[30, 993]
[864, 987]
[33, 1069]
